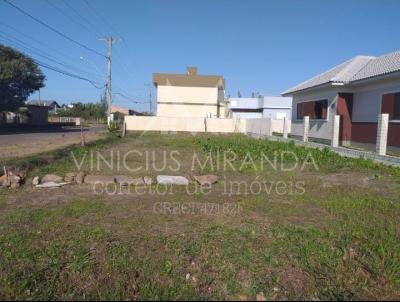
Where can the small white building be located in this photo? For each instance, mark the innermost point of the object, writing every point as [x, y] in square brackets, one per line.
[273, 107]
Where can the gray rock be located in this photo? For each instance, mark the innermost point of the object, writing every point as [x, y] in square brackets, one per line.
[95, 179]
[126, 180]
[70, 177]
[206, 179]
[14, 182]
[147, 180]
[260, 297]
[51, 184]
[79, 178]
[35, 181]
[52, 178]
[3, 180]
[172, 180]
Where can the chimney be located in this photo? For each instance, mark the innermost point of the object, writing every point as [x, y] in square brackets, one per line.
[192, 70]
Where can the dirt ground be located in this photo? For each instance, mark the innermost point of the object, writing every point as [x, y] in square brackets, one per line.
[21, 144]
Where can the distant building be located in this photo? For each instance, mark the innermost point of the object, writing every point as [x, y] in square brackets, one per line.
[38, 115]
[124, 111]
[261, 107]
[67, 106]
[52, 105]
[190, 95]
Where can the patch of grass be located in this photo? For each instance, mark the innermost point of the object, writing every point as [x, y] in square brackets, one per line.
[78, 208]
[246, 148]
[362, 247]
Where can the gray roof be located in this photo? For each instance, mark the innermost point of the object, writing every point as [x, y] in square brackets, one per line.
[43, 103]
[355, 69]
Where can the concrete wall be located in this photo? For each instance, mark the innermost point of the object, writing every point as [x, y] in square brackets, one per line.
[258, 127]
[246, 115]
[277, 125]
[225, 125]
[277, 113]
[162, 123]
[212, 125]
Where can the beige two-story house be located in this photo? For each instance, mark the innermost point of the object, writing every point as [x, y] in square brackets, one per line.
[190, 94]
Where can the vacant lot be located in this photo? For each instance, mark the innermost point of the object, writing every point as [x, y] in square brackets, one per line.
[18, 143]
[276, 226]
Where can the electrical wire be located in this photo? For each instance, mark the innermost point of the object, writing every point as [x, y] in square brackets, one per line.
[52, 28]
[39, 53]
[129, 99]
[60, 11]
[66, 73]
[95, 31]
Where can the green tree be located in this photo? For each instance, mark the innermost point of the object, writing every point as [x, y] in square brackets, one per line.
[87, 111]
[19, 77]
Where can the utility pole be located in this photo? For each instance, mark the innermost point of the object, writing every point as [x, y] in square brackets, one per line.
[110, 41]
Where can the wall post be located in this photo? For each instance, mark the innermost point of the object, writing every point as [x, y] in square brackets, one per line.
[306, 128]
[382, 135]
[270, 127]
[285, 128]
[335, 131]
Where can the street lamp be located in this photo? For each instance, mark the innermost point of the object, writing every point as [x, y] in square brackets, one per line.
[93, 64]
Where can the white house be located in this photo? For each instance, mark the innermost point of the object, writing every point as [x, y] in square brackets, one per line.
[190, 95]
[358, 90]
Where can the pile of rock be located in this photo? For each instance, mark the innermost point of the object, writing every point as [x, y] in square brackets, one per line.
[12, 177]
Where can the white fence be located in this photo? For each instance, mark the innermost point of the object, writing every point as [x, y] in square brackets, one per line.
[65, 119]
[196, 124]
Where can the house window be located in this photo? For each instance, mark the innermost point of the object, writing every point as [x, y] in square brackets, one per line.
[391, 105]
[316, 110]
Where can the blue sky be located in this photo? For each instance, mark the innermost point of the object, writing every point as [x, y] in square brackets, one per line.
[261, 46]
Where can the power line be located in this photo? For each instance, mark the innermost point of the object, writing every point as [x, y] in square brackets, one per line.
[66, 73]
[83, 18]
[52, 28]
[129, 99]
[104, 20]
[69, 17]
[39, 52]
[127, 93]
[37, 41]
